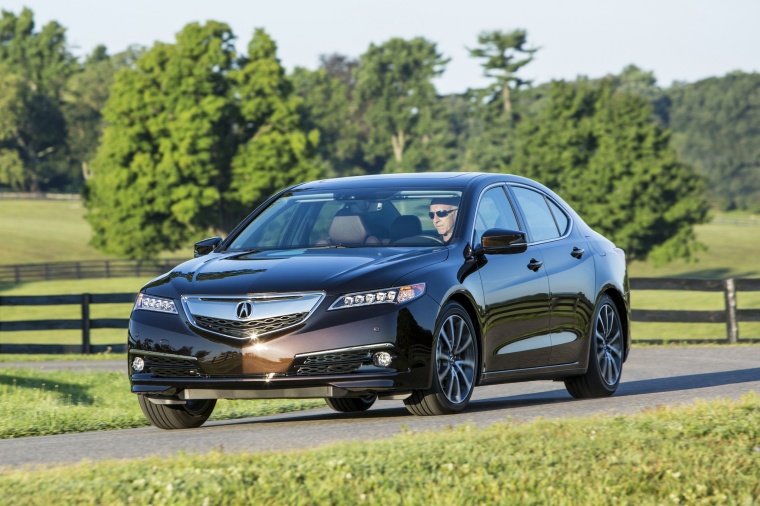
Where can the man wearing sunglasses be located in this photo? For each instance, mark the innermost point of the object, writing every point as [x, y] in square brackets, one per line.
[443, 212]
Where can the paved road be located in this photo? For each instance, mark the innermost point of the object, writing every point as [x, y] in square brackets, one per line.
[652, 377]
[69, 365]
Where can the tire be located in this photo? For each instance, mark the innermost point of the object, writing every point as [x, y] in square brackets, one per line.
[454, 368]
[605, 363]
[351, 404]
[177, 416]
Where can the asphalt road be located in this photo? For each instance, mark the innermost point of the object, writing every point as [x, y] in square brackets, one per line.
[652, 377]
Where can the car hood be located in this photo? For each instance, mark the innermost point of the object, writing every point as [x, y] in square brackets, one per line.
[330, 270]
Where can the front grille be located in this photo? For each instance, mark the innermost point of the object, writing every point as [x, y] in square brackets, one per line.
[171, 367]
[248, 328]
[314, 370]
[329, 358]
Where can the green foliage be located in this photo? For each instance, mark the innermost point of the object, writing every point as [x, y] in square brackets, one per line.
[277, 151]
[35, 66]
[85, 97]
[602, 152]
[716, 128]
[499, 52]
[705, 453]
[60, 402]
[405, 130]
[329, 107]
[165, 155]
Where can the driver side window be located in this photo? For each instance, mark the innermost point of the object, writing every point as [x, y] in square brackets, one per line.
[494, 211]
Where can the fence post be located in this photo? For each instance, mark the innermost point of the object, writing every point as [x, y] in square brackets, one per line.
[108, 268]
[732, 328]
[86, 323]
[18, 275]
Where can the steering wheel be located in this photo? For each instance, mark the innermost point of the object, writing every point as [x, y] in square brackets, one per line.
[419, 239]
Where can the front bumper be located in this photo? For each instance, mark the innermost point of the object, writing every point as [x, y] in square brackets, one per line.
[330, 355]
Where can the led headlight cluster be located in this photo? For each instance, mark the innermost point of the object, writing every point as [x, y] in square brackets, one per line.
[397, 295]
[151, 303]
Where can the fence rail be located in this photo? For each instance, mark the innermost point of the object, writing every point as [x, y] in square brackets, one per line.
[24, 273]
[730, 315]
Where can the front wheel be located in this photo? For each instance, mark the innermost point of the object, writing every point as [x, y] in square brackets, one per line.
[351, 404]
[191, 415]
[605, 364]
[455, 366]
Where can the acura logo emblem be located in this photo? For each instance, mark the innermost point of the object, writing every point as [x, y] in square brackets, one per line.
[244, 309]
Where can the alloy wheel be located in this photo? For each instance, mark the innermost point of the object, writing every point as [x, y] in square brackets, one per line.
[609, 344]
[455, 359]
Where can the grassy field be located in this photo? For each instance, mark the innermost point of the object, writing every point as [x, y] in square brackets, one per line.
[35, 403]
[38, 231]
[708, 453]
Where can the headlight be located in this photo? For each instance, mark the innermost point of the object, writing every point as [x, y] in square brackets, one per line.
[398, 295]
[151, 303]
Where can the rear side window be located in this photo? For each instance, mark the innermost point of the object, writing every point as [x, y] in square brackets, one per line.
[560, 217]
[536, 210]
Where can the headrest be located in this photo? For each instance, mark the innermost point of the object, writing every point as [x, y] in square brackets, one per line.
[347, 229]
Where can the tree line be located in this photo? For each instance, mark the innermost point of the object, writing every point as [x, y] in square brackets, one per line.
[181, 139]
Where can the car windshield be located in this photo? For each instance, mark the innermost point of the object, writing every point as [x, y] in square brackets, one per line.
[350, 218]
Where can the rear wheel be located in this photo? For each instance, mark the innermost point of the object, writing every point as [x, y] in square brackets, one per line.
[191, 415]
[351, 404]
[605, 364]
[454, 368]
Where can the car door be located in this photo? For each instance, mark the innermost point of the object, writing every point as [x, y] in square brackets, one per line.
[516, 328]
[569, 266]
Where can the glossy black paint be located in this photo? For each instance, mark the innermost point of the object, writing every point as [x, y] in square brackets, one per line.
[530, 301]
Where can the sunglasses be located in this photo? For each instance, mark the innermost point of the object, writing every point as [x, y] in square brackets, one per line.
[442, 213]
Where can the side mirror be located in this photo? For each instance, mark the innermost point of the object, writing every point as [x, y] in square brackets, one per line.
[499, 241]
[206, 246]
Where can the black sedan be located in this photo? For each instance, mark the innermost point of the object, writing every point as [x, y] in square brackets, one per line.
[414, 287]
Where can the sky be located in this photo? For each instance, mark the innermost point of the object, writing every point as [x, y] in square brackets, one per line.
[678, 40]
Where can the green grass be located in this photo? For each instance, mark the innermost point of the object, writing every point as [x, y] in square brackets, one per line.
[34, 403]
[39, 231]
[707, 453]
[731, 252]
[44, 231]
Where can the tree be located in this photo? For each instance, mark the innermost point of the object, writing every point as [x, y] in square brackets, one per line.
[494, 110]
[41, 64]
[84, 98]
[500, 50]
[277, 151]
[329, 107]
[603, 152]
[403, 125]
[716, 128]
[164, 160]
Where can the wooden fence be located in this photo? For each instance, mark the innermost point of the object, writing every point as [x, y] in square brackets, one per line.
[23, 273]
[731, 315]
[85, 323]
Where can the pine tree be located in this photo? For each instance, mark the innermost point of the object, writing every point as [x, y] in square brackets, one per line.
[606, 155]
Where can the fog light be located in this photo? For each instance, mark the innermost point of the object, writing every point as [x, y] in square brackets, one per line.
[381, 359]
[138, 364]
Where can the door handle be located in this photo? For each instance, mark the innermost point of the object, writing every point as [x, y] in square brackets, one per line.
[577, 252]
[534, 264]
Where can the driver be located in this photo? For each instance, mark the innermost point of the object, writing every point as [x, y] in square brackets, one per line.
[443, 213]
